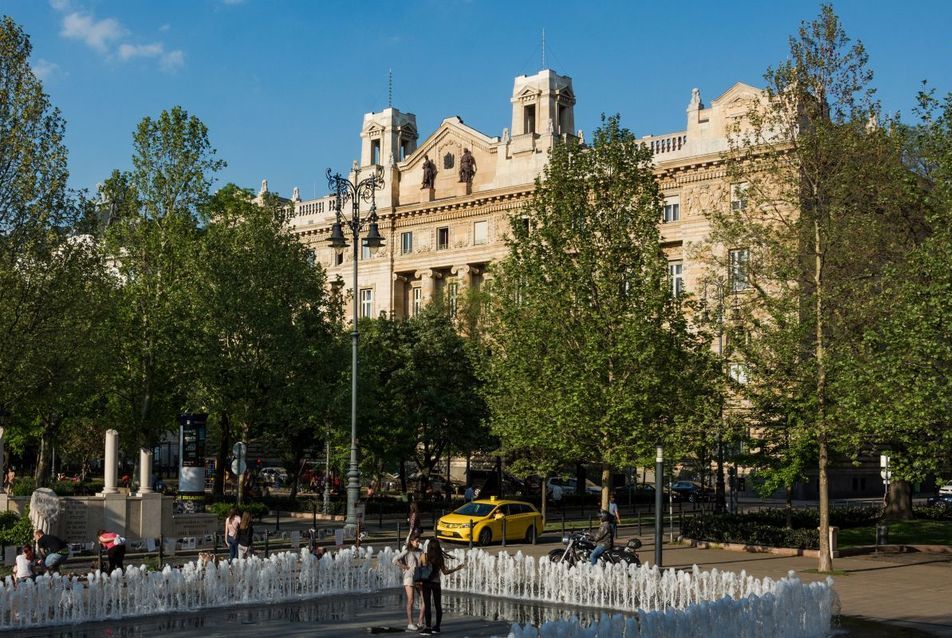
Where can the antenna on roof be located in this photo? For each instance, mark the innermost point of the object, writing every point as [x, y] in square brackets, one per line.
[543, 48]
[390, 88]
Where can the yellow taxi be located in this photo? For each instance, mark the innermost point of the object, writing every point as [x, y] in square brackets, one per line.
[522, 521]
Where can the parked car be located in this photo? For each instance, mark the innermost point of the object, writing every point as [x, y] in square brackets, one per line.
[639, 493]
[692, 491]
[942, 500]
[523, 522]
[946, 489]
[276, 476]
[569, 486]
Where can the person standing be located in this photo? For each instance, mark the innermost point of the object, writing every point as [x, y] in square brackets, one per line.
[52, 549]
[232, 521]
[245, 536]
[469, 494]
[615, 514]
[115, 546]
[435, 558]
[408, 560]
[557, 495]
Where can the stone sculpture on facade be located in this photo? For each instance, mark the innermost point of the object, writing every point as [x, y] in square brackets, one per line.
[429, 172]
[467, 167]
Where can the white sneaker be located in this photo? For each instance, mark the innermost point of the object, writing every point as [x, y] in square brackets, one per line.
[412, 627]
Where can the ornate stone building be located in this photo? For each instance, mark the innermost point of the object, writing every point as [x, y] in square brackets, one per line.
[441, 236]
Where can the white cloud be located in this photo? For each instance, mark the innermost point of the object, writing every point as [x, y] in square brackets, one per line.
[168, 60]
[97, 34]
[43, 69]
[232, 2]
[60, 5]
[165, 27]
[173, 60]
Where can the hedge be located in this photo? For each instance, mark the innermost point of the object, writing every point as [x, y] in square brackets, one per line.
[725, 528]
[15, 530]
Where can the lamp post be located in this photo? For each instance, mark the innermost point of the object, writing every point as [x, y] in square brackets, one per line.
[344, 190]
[719, 486]
[659, 503]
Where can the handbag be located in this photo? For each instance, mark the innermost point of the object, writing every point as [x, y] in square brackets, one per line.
[422, 573]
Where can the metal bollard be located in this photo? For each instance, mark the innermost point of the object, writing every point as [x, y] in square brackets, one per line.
[161, 548]
[589, 523]
[277, 525]
[380, 514]
[399, 536]
[433, 519]
[563, 524]
[100, 557]
[639, 523]
[681, 522]
[314, 514]
[471, 526]
[267, 534]
[215, 550]
[503, 531]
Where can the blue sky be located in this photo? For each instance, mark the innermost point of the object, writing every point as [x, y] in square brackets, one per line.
[282, 84]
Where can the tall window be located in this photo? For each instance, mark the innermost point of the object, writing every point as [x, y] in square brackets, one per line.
[375, 152]
[417, 300]
[452, 296]
[672, 210]
[442, 238]
[364, 251]
[480, 232]
[738, 269]
[739, 196]
[366, 302]
[676, 277]
[529, 118]
[406, 243]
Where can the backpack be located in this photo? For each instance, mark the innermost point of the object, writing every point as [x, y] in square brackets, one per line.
[422, 573]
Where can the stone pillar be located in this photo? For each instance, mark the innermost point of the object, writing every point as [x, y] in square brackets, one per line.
[145, 471]
[464, 274]
[427, 284]
[111, 464]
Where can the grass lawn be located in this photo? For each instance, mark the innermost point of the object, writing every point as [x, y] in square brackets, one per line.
[901, 533]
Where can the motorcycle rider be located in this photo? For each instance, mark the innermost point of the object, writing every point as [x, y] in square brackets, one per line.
[605, 538]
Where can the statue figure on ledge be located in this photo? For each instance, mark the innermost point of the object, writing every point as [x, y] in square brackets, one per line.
[467, 167]
[429, 172]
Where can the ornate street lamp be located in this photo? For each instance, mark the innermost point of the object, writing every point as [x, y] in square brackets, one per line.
[356, 191]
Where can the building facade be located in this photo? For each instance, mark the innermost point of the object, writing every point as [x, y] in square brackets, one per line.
[441, 237]
[443, 231]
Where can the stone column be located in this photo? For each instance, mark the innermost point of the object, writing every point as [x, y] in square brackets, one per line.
[464, 274]
[145, 471]
[427, 284]
[110, 468]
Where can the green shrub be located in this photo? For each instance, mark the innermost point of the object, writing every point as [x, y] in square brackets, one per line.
[16, 530]
[746, 529]
[221, 509]
[23, 486]
[932, 512]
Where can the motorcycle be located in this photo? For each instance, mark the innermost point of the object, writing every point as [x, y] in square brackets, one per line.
[580, 545]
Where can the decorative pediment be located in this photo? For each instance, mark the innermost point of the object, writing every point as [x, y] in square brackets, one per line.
[527, 94]
[450, 139]
[739, 93]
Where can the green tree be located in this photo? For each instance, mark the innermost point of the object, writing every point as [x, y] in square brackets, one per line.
[154, 213]
[263, 346]
[590, 350]
[821, 203]
[36, 212]
[425, 399]
[898, 386]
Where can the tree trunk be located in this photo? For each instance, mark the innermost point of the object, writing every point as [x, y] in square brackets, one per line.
[825, 563]
[580, 479]
[218, 488]
[606, 484]
[898, 501]
[39, 474]
[545, 482]
[403, 477]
